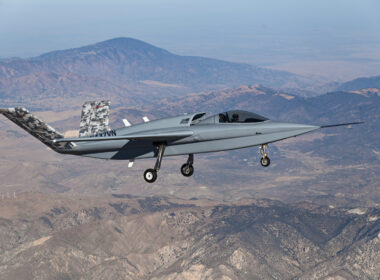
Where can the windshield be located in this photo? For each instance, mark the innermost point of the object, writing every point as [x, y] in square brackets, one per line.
[238, 116]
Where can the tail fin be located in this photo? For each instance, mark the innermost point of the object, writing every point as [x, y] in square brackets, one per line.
[33, 125]
[94, 118]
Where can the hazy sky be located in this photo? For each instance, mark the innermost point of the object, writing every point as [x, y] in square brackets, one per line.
[263, 32]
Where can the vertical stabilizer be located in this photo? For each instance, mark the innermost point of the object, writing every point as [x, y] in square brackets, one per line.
[94, 118]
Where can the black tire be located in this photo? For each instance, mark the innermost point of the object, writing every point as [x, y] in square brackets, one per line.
[187, 170]
[265, 161]
[150, 175]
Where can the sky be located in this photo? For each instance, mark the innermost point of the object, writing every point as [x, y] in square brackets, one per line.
[283, 34]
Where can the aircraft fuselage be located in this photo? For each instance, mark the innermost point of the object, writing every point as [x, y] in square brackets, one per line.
[206, 138]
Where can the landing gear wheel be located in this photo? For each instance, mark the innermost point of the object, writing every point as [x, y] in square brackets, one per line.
[187, 170]
[150, 175]
[265, 161]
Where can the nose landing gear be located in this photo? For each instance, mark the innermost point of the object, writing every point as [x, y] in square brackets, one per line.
[187, 169]
[265, 161]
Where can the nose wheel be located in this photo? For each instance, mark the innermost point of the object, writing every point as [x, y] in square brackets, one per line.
[150, 175]
[187, 169]
[265, 161]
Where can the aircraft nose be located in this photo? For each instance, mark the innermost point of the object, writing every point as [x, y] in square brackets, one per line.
[302, 128]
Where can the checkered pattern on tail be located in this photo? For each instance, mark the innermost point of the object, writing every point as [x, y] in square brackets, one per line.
[94, 118]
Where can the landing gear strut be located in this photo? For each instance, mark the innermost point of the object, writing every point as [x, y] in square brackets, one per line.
[150, 175]
[265, 161]
[187, 169]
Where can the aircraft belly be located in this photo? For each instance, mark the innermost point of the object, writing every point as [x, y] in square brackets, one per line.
[231, 143]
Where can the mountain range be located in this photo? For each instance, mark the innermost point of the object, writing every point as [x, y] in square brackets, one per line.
[125, 68]
[126, 237]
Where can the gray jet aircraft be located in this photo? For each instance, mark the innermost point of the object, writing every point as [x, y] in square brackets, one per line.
[181, 135]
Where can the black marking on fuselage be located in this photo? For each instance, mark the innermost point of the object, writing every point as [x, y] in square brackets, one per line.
[106, 133]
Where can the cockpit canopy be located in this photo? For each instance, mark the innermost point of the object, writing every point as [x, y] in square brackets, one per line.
[235, 116]
[239, 116]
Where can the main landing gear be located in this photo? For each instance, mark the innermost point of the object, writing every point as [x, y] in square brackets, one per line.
[150, 175]
[265, 161]
[187, 169]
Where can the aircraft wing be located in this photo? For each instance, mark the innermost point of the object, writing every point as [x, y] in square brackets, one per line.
[160, 136]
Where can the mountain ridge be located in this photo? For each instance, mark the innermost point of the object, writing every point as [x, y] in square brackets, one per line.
[127, 61]
[360, 83]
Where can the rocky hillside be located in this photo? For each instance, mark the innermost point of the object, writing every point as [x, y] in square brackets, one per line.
[124, 237]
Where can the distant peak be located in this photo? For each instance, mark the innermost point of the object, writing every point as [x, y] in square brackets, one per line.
[121, 41]
[125, 43]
